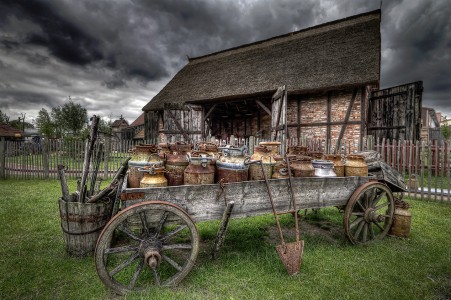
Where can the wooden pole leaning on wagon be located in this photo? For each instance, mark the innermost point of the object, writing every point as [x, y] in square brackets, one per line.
[63, 181]
[88, 153]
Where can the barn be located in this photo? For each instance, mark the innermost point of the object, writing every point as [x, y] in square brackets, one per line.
[314, 83]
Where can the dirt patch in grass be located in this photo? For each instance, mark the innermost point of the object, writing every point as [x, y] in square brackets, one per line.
[322, 229]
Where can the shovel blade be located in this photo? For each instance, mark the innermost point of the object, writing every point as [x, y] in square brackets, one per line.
[291, 255]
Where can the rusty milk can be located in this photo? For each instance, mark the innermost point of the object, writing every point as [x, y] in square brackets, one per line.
[339, 167]
[200, 170]
[302, 166]
[297, 150]
[402, 220]
[231, 166]
[153, 176]
[176, 162]
[267, 152]
[143, 155]
[355, 165]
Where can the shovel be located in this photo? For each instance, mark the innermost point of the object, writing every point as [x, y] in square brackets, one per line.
[290, 253]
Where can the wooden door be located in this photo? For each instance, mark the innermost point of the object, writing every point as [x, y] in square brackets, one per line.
[395, 113]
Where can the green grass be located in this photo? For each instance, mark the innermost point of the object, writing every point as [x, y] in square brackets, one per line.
[35, 266]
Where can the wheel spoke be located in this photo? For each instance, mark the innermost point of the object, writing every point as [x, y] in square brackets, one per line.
[163, 219]
[177, 246]
[355, 222]
[172, 262]
[367, 200]
[156, 276]
[365, 232]
[377, 198]
[126, 263]
[371, 231]
[382, 205]
[355, 213]
[136, 274]
[142, 216]
[359, 229]
[378, 225]
[360, 204]
[173, 232]
[129, 233]
[121, 249]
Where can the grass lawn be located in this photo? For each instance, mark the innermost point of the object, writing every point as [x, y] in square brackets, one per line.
[34, 264]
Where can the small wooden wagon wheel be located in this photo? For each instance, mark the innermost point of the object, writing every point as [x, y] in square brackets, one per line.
[147, 244]
[369, 213]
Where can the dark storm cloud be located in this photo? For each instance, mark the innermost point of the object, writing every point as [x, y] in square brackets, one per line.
[23, 100]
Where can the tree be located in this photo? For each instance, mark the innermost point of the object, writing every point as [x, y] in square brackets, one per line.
[74, 117]
[58, 121]
[446, 129]
[45, 124]
[4, 119]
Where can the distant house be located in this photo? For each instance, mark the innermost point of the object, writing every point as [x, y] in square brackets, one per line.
[430, 124]
[118, 128]
[137, 128]
[10, 133]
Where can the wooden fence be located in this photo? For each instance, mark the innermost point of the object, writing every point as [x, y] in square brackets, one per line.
[425, 166]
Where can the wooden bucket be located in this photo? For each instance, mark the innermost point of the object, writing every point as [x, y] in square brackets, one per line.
[81, 224]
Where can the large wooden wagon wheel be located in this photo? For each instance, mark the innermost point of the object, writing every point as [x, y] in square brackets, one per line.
[152, 243]
[369, 213]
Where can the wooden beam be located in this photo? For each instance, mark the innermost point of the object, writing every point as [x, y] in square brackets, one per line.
[210, 111]
[267, 110]
[329, 119]
[177, 124]
[348, 114]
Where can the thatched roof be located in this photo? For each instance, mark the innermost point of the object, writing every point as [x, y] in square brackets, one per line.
[336, 54]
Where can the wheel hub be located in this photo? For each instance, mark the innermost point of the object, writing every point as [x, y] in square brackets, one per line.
[150, 250]
[372, 216]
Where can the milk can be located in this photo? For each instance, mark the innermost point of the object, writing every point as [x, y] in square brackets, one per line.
[302, 167]
[323, 168]
[315, 154]
[402, 220]
[211, 149]
[339, 167]
[199, 170]
[153, 176]
[142, 155]
[176, 162]
[355, 165]
[164, 149]
[231, 165]
[297, 150]
[266, 152]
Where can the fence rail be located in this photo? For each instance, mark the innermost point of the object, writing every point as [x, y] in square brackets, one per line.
[426, 166]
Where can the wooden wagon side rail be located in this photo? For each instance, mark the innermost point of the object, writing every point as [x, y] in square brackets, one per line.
[250, 197]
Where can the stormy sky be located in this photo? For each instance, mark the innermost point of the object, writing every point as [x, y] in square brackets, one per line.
[113, 56]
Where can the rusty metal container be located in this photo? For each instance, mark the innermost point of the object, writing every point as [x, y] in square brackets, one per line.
[339, 167]
[402, 221]
[199, 170]
[280, 171]
[211, 149]
[302, 167]
[176, 163]
[316, 155]
[153, 176]
[323, 168]
[355, 165]
[164, 149]
[231, 166]
[267, 153]
[142, 155]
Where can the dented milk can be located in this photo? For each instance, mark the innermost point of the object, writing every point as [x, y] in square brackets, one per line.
[142, 156]
[176, 163]
[231, 166]
[267, 153]
[153, 176]
[302, 167]
[199, 170]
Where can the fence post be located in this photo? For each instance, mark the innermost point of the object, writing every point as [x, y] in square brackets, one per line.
[45, 158]
[106, 157]
[2, 157]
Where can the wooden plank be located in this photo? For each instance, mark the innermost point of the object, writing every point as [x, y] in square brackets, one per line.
[430, 158]
[423, 162]
[45, 158]
[2, 157]
[329, 120]
[442, 165]
[267, 110]
[251, 197]
[177, 124]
